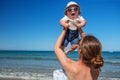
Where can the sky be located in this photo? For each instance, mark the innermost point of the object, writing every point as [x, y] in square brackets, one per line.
[34, 24]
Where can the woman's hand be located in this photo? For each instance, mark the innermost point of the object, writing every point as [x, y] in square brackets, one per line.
[65, 24]
[80, 24]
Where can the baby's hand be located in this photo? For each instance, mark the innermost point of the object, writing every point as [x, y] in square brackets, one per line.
[78, 24]
[66, 25]
[67, 21]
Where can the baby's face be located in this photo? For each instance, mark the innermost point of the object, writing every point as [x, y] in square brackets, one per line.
[73, 12]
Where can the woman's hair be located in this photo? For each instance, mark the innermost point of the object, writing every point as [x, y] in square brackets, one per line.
[91, 50]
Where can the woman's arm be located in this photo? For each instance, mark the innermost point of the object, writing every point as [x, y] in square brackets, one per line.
[81, 24]
[57, 49]
[61, 56]
[82, 34]
[79, 27]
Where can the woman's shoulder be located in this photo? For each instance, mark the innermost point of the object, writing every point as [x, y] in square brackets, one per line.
[77, 66]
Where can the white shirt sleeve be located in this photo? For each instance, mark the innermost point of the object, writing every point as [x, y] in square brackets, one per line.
[65, 18]
[80, 18]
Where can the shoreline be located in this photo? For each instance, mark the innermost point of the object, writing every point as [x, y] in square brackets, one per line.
[10, 78]
[24, 78]
[50, 78]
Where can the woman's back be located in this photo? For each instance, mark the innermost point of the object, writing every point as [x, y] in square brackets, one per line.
[82, 72]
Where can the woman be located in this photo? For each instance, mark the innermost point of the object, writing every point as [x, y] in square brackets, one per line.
[88, 65]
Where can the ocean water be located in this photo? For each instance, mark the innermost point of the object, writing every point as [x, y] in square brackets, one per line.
[39, 65]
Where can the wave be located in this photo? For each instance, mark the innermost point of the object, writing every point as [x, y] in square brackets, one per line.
[25, 76]
[26, 58]
[50, 58]
[39, 76]
[108, 78]
[112, 62]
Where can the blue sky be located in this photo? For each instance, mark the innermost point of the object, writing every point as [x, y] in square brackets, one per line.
[34, 24]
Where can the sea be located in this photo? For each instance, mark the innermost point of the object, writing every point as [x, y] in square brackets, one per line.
[39, 65]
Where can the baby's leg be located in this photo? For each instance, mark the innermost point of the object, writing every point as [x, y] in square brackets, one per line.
[72, 48]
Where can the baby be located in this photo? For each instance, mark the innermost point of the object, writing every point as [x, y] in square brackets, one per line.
[73, 21]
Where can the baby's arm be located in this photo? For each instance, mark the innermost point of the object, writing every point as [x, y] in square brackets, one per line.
[64, 23]
[82, 34]
[80, 24]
